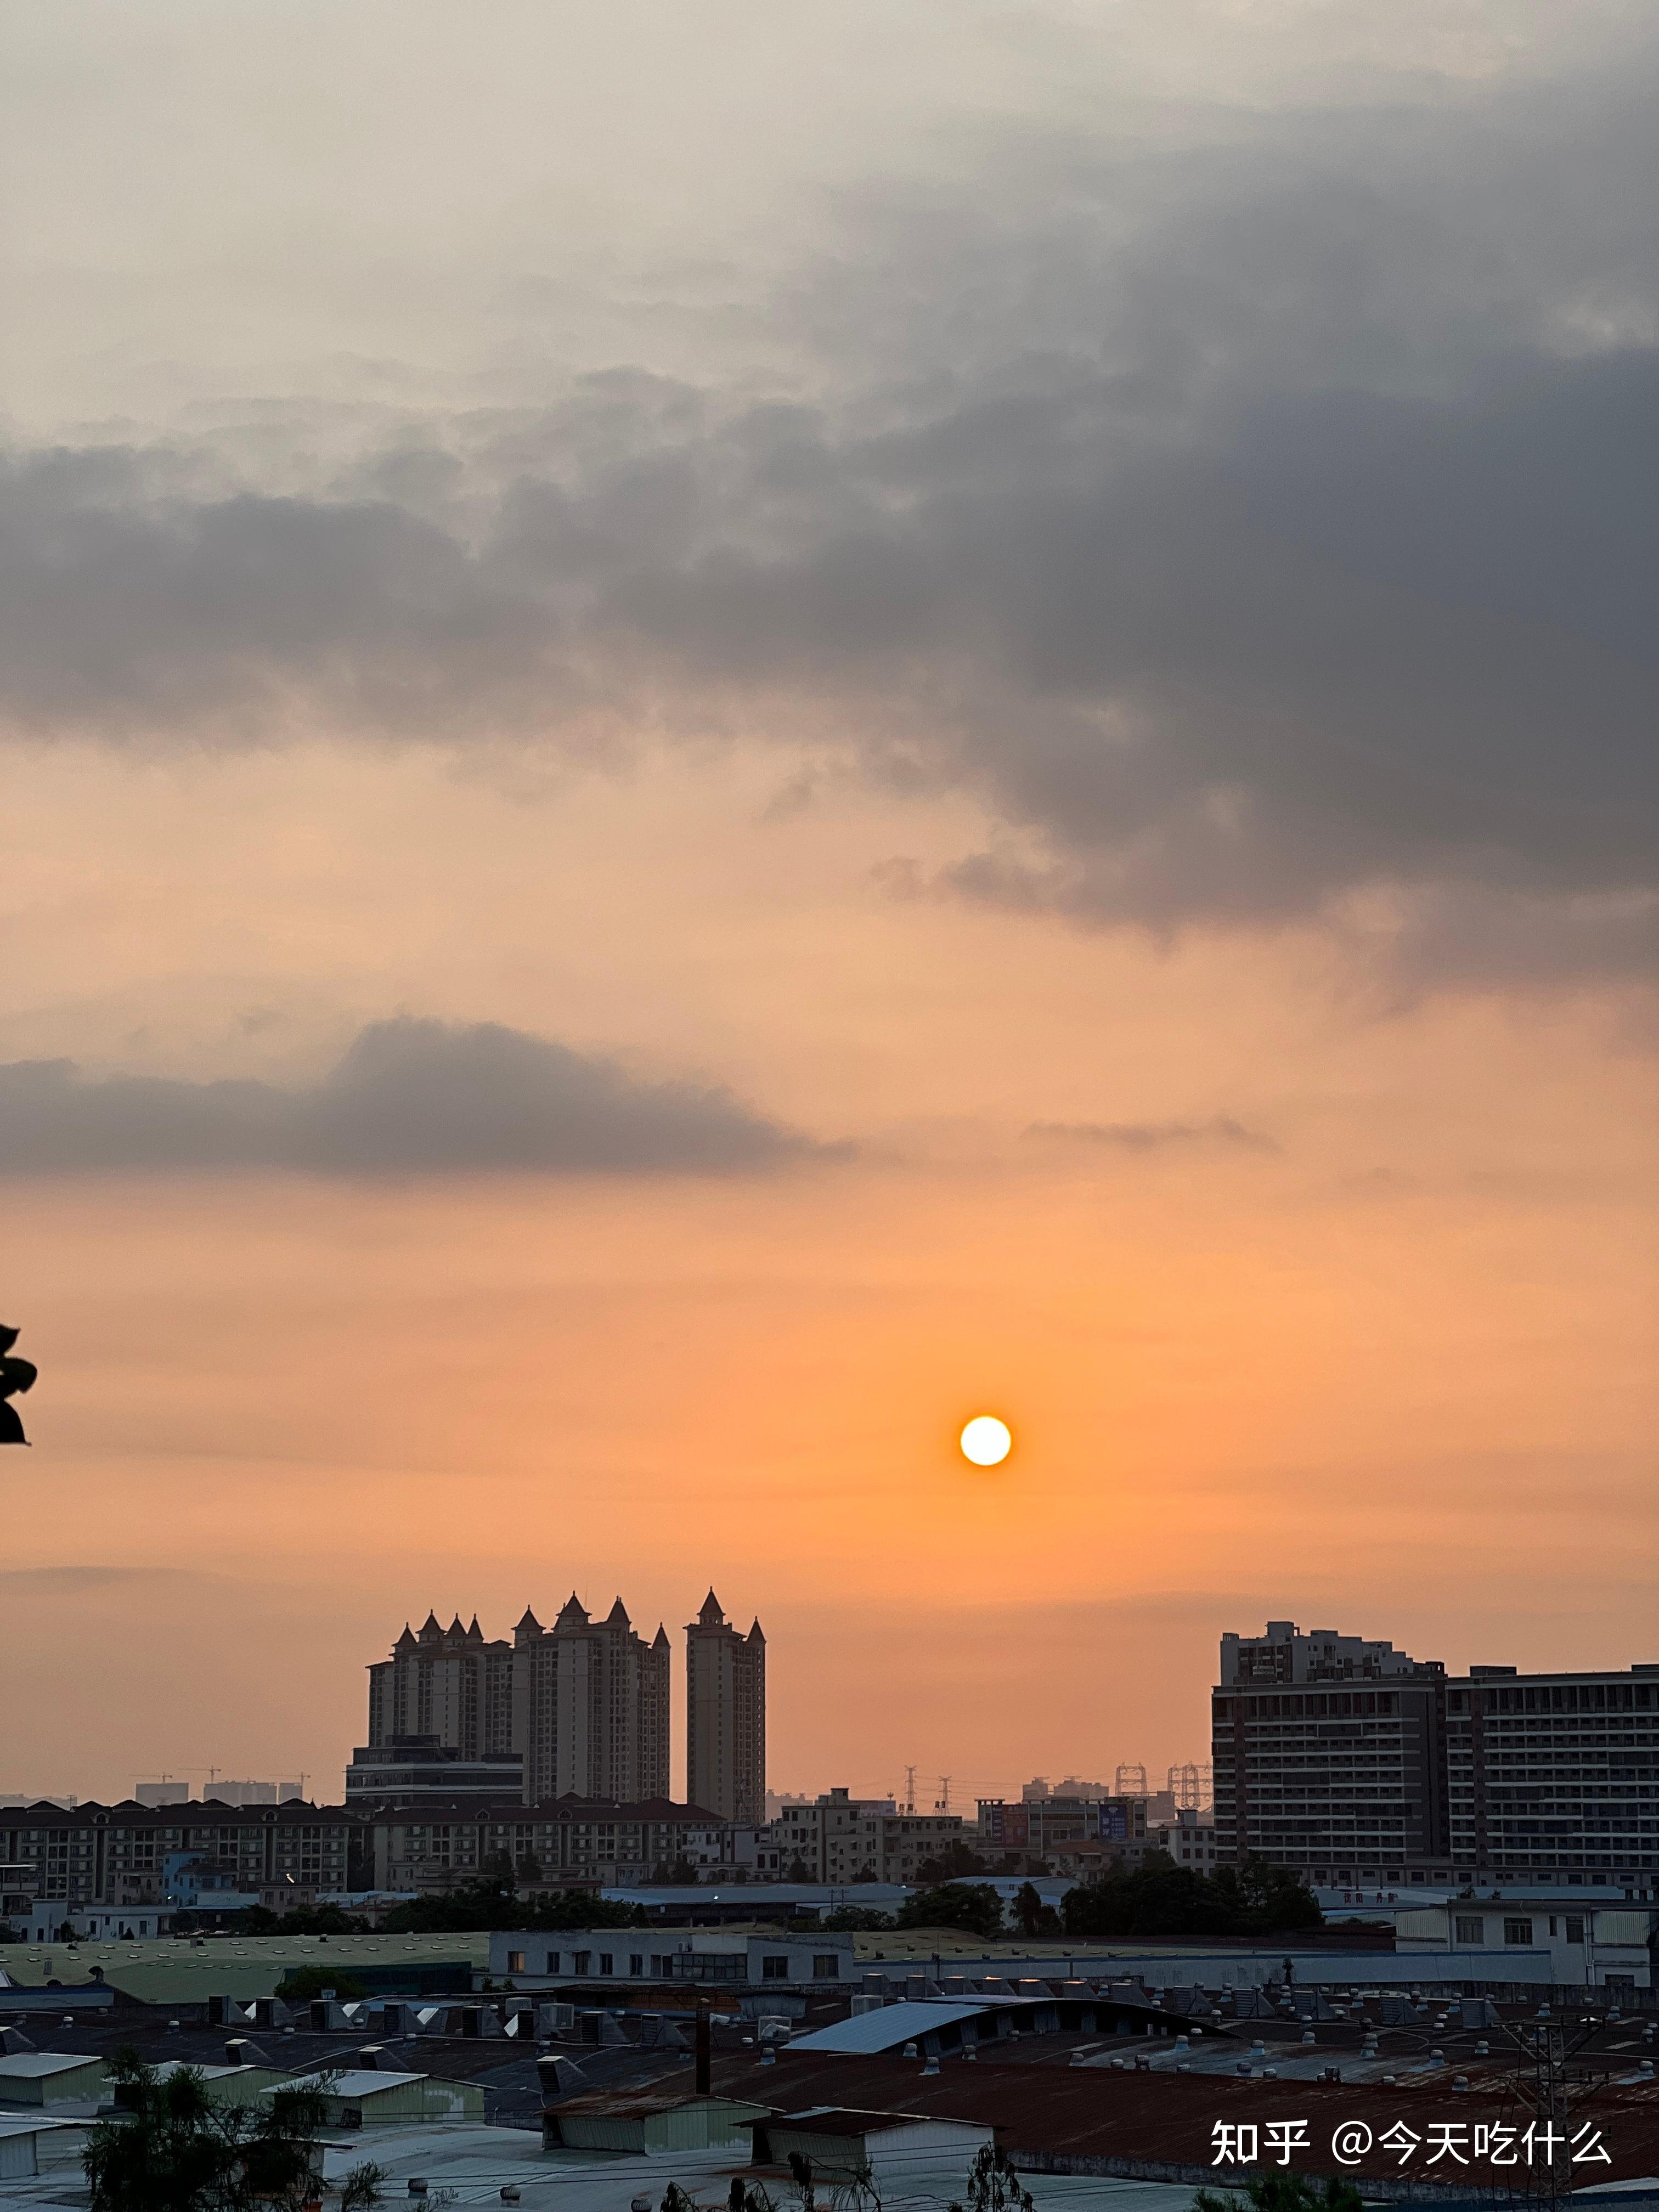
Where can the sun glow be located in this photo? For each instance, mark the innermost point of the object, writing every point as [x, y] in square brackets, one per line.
[986, 1440]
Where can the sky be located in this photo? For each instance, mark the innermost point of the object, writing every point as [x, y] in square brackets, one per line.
[730, 731]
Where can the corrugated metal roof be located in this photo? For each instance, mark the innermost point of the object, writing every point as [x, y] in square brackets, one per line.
[909, 2019]
[891, 2025]
[645, 2104]
[1161, 2118]
[356, 2081]
[849, 2120]
[40, 2065]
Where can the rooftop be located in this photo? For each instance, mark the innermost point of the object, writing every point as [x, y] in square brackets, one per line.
[357, 2081]
[855, 2120]
[175, 1968]
[1160, 2118]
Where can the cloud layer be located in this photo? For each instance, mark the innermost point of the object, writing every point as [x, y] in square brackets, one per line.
[1155, 1136]
[409, 1097]
[1252, 525]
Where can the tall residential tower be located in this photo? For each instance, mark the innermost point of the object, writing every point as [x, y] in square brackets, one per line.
[583, 1704]
[724, 1716]
[590, 1706]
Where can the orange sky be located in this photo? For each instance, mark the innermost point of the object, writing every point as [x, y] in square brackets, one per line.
[1036, 620]
[1391, 1374]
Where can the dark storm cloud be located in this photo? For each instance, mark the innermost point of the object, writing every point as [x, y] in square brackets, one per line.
[409, 1097]
[1249, 525]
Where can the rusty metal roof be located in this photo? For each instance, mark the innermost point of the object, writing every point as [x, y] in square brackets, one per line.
[1155, 2120]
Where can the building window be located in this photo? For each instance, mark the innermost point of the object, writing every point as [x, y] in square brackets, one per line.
[515, 1962]
[1469, 1928]
[775, 1970]
[1575, 1928]
[580, 1961]
[1517, 1931]
[826, 1967]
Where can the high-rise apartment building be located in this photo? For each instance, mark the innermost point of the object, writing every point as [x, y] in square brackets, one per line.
[724, 1716]
[591, 1706]
[1354, 1764]
[1554, 1777]
[1328, 1754]
[447, 1686]
[581, 1707]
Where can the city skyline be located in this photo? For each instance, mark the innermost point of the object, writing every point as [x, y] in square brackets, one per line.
[968, 1780]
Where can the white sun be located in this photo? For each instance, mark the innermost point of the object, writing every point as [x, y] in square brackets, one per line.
[986, 1440]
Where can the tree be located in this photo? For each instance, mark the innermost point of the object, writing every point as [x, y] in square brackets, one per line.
[174, 2150]
[321, 1920]
[477, 1906]
[528, 1867]
[1271, 1900]
[1158, 1897]
[848, 1917]
[1284, 2192]
[973, 1906]
[799, 1870]
[993, 2184]
[300, 1983]
[579, 1908]
[949, 1864]
[1034, 1917]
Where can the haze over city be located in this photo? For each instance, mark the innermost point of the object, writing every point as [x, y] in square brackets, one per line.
[732, 733]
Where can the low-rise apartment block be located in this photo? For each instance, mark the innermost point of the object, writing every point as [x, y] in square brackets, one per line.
[570, 1843]
[839, 1838]
[1188, 1839]
[1040, 1828]
[131, 1854]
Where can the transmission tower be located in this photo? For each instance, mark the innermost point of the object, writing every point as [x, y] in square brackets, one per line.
[1131, 1781]
[1543, 2094]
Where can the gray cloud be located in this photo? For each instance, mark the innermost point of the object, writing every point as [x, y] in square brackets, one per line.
[1154, 1136]
[1251, 524]
[409, 1097]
